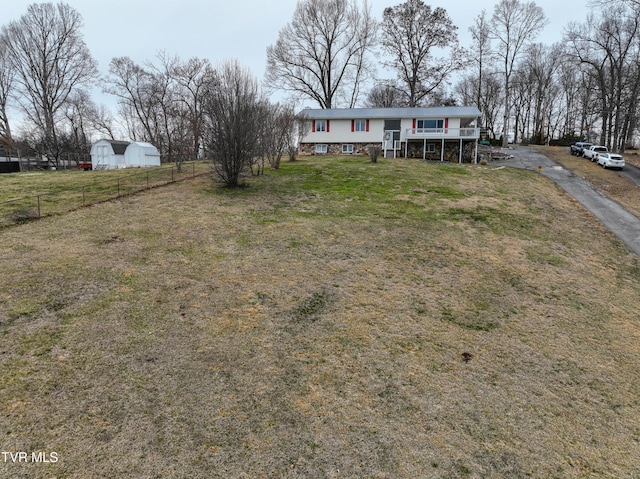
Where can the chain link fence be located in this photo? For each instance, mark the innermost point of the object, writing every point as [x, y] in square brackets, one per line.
[27, 208]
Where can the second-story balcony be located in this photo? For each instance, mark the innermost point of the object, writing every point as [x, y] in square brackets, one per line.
[439, 133]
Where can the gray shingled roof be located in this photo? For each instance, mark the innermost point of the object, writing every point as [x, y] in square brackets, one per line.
[389, 113]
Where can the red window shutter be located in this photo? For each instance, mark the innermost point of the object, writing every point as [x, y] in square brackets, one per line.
[367, 128]
[313, 125]
[446, 122]
[352, 125]
[414, 123]
[327, 126]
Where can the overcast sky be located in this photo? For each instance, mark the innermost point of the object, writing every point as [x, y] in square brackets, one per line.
[241, 29]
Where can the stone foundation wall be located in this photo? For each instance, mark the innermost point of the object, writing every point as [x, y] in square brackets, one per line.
[451, 151]
[309, 149]
[414, 150]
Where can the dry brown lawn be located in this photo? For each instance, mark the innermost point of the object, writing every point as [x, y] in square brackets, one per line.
[334, 319]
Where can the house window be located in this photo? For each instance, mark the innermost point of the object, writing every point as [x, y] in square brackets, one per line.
[321, 149]
[347, 149]
[430, 124]
[359, 125]
[321, 125]
[431, 148]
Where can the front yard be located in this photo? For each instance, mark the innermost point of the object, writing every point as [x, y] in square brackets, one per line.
[335, 318]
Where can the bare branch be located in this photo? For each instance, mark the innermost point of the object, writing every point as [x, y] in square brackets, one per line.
[50, 61]
[322, 54]
[514, 25]
[412, 31]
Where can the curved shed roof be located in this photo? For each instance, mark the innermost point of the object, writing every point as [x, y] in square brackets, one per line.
[117, 146]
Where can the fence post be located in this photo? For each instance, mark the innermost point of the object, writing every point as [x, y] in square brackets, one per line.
[83, 197]
[172, 174]
[38, 206]
[193, 168]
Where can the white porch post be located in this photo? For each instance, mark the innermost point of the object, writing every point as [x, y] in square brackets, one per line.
[475, 151]
[442, 151]
[424, 150]
[460, 152]
[384, 145]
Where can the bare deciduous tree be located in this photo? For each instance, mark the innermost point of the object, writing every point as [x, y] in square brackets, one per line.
[279, 122]
[514, 25]
[165, 97]
[542, 63]
[301, 127]
[490, 99]
[50, 61]
[162, 103]
[384, 95]
[233, 113]
[102, 122]
[608, 45]
[80, 109]
[136, 92]
[411, 33]
[322, 54]
[6, 89]
[633, 4]
[481, 49]
[192, 77]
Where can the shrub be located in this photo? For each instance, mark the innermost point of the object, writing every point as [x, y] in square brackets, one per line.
[374, 153]
[24, 215]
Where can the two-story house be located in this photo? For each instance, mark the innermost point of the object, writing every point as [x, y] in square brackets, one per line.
[435, 133]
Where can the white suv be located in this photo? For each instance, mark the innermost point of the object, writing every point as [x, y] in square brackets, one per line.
[610, 160]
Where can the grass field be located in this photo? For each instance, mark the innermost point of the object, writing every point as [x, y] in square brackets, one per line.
[31, 195]
[335, 318]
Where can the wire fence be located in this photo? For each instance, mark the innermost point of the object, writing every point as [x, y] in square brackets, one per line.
[27, 208]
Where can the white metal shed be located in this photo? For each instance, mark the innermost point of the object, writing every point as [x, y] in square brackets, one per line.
[114, 154]
[108, 154]
[141, 154]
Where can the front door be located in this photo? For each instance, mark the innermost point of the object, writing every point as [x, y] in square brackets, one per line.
[391, 133]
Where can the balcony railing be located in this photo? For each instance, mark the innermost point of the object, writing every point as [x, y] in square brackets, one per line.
[438, 133]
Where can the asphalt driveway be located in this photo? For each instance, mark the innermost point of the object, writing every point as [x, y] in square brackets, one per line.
[622, 223]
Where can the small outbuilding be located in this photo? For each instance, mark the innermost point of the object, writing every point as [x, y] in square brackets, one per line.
[114, 154]
[108, 154]
[141, 154]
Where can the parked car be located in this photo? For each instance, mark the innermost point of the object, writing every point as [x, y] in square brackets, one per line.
[610, 160]
[593, 151]
[577, 147]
